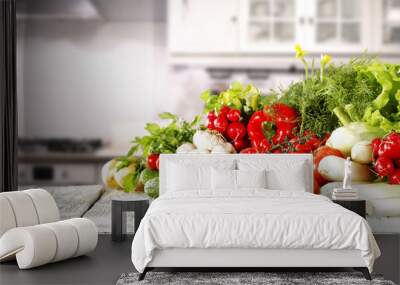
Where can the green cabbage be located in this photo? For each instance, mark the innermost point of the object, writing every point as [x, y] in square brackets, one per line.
[151, 188]
[147, 174]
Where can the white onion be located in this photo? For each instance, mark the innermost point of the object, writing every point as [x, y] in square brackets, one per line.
[362, 152]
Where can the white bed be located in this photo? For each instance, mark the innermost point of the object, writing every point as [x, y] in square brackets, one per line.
[248, 227]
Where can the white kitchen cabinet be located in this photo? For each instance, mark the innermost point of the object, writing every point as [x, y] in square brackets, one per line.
[203, 26]
[318, 25]
[337, 25]
[386, 26]
[272, 27]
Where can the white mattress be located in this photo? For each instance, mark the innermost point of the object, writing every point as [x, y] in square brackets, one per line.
[256, 218]
[384, 224]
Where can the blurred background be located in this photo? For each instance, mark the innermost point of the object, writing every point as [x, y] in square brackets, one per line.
[91, 73]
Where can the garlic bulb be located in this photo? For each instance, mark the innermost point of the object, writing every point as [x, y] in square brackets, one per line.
[200, 151]
[220, 148]
[185, 148]
[207, 140]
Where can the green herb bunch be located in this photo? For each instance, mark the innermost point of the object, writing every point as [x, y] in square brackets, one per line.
[164, 139]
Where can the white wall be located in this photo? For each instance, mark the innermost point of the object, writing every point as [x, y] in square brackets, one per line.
[92, 78]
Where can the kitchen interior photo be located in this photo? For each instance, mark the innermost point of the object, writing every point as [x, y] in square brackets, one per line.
[91, 73]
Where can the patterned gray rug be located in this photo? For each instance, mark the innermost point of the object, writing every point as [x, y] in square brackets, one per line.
[269, 278]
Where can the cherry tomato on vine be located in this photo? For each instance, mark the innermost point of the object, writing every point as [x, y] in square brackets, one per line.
[220, 123]
[233, 115]
[394, 178]
[224, 110]
[153, 161]
[236, 131]
[240, 144]
[249, 150]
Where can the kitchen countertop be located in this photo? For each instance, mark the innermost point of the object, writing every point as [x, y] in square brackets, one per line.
[102, 155]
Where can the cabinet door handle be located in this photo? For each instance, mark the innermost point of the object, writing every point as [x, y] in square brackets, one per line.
[311, 21]
[234, 19]
[302, 20]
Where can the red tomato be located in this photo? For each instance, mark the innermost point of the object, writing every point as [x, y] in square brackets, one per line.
[261, 145]
[375, 144]
[240, 144]
[152, 161]
[281, 135]
[233, 115]
[211, 116]
[397, 163]
[394, 178]
[312, 140]
[384, 166]
[210, 125]
[302, 148]
[278, 150]
[236, 131]
[224, 110]
[249, 150]
[220, 123]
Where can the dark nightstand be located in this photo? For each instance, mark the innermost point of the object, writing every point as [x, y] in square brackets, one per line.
[119, 207]
[357, 206]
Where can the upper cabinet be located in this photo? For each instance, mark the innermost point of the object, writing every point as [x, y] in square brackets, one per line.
[198, 26]
[336, 25]
[270, 25]
[387, 25]
[274, 26]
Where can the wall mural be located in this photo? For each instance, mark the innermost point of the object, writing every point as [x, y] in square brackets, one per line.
[337, 111]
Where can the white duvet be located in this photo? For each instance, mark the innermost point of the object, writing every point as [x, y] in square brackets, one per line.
[250, 219]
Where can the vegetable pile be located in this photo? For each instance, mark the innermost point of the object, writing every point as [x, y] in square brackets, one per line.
[337, 111]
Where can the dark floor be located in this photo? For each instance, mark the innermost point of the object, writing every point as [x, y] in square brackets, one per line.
[110, 259]
[102, 266]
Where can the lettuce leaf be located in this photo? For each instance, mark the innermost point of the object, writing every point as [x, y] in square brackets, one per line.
[384, 111]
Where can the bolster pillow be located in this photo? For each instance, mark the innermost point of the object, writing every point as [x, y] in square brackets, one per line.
[40, 244]
[26, 208]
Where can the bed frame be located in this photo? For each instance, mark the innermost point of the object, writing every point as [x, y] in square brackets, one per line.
[242, 259]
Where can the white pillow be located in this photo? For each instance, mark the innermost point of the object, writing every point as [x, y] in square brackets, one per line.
[224, 179]
[292, 179]
[181, 177]
[188, 175]
[251, 178]
[281, 174]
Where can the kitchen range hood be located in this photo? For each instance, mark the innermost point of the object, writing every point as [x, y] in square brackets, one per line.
[108, 10]
[57, 9]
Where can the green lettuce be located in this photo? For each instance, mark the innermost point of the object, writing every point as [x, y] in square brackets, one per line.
[384, 111]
